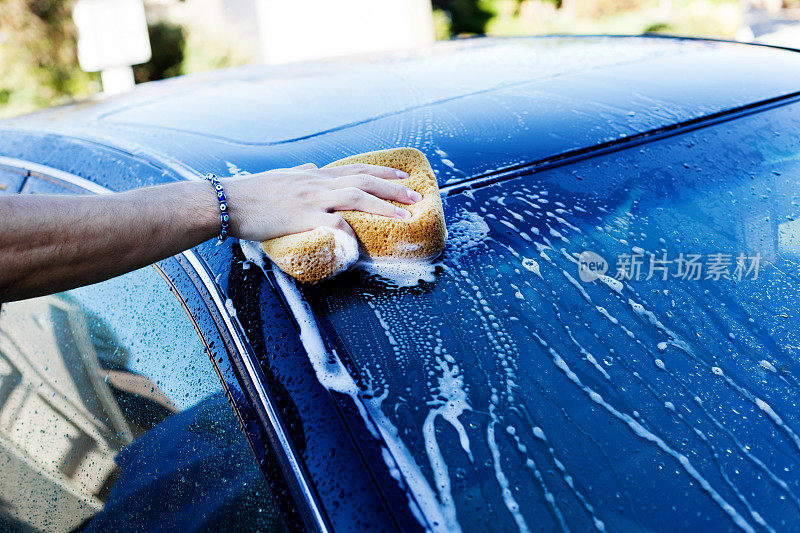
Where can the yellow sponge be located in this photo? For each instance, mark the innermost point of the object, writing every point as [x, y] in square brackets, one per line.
[314, 255]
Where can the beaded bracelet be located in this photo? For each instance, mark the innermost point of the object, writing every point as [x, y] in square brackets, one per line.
[223, 205]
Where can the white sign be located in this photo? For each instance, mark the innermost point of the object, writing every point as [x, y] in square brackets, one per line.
[294, 31]
[111, 33]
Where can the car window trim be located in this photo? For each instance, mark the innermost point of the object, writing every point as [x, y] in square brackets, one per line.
[53, 173]
[303, 484]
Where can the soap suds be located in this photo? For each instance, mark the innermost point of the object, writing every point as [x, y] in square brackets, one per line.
[767, 365]
[467, 232]
[532, 265]
[345, 250]
[230, 308]
[400, 273]
[450, 402]
[502, 479]
[638, 429]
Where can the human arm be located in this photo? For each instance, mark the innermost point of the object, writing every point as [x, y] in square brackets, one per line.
[54, 243]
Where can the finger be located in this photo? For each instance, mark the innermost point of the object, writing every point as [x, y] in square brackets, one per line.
[358, 200]
[373, 170]
[379, 187]
[332, 220]
[306, 166]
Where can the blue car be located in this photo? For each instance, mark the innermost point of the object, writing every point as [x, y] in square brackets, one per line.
[609, 341]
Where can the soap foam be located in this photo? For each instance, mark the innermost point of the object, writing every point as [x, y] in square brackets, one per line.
[466, 233]
[399, 273]
[345, 250]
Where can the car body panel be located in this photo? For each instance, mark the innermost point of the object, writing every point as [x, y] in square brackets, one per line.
[11, 179]
[320, 422]
[594, 402]
[530, 99]
[469, 128]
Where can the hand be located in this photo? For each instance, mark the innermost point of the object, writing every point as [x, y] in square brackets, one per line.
[284, 201]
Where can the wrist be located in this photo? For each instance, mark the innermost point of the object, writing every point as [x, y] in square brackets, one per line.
[222, 200]
[203, 209]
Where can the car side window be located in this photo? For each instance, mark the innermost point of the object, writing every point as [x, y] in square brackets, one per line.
[112, 417]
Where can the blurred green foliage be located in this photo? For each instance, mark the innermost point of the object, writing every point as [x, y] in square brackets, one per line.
[466, 16]
[167, 42]
[205, 50]
[39, 61]
[38, 56]
[38, 52]
[719, 18]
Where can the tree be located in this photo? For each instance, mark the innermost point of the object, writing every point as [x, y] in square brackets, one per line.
[466, 16]
[38, 55]
[167, 42]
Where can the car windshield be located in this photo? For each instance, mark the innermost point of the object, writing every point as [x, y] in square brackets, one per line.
[610, 344]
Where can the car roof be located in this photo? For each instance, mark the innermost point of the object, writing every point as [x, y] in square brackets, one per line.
[474, 106]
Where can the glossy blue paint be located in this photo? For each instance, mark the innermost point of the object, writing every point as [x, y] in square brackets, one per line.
[475, 108]
[356, 491]
[645, 404]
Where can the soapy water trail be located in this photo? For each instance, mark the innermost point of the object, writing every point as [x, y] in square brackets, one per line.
[333, 375]
[468, 232]
[565, 474]
[450, 402]
[610, 463]
[742, 391]
[713, 452]
[437, 458]
[638, 429]
[674, 340]
[329, 370]
[639, 309]
[479, 294]
[575, 284]
[670, 405]
[502, 479]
